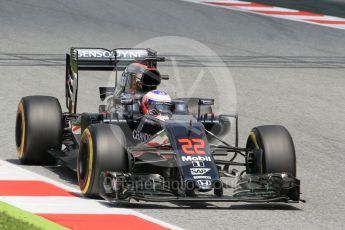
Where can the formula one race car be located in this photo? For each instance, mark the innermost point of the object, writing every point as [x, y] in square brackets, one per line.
[143, 145]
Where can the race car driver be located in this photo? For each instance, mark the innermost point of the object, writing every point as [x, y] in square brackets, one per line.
[157, 103]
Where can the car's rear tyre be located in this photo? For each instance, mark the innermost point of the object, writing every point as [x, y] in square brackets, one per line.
[274, 150]
[39, 128]
[102, 148]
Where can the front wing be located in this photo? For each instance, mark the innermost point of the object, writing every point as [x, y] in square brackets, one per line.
[275, 187]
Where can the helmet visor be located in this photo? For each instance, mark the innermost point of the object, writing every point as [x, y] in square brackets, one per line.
[161, 107]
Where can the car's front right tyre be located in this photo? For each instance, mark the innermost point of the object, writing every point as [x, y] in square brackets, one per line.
[274, 150]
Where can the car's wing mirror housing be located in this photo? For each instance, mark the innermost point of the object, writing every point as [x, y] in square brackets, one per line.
[206, 101]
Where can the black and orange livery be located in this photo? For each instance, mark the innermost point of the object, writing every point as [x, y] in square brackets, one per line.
[121, 154]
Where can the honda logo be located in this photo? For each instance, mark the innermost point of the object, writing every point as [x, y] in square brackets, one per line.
[203, 183]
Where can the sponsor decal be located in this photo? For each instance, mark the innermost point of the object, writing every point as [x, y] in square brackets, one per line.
[131, 53]
[202, 183]
[94, 53]
[202, 177]
[198, 164]
[196, 158]
[192, 146]
[120, 54]
[199, 171]
[140, 136]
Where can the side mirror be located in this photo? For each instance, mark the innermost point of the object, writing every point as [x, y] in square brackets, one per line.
[206, 102]
[203, 102]
[124, 101]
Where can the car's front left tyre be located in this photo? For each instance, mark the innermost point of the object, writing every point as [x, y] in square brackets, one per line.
[102, 148]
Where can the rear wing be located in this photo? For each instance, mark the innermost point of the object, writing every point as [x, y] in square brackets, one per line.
[100, 59]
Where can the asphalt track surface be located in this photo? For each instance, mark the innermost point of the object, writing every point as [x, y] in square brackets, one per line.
[285, 72]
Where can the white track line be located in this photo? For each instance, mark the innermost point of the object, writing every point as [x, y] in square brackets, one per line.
[62, 205]
[279, 12]
[54, 204]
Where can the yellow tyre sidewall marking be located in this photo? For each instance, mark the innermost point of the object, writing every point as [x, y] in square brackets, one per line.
[20, 149]
[252, 136]
[87, 135]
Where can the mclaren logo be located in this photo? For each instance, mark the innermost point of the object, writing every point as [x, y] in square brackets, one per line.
[199, 171]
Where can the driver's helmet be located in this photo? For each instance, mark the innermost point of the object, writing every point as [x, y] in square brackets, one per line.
[156, 102]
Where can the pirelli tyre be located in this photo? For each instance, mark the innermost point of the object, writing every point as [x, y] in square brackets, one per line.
[39, 128]
[102, 148]
[273, 151]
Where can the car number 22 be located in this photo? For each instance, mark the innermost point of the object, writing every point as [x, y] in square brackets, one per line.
[192, 146]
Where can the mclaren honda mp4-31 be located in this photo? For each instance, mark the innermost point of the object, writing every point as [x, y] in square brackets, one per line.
[123, 154]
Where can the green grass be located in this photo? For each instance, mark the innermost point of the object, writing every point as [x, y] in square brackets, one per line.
[16, 219]
[8, 223]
